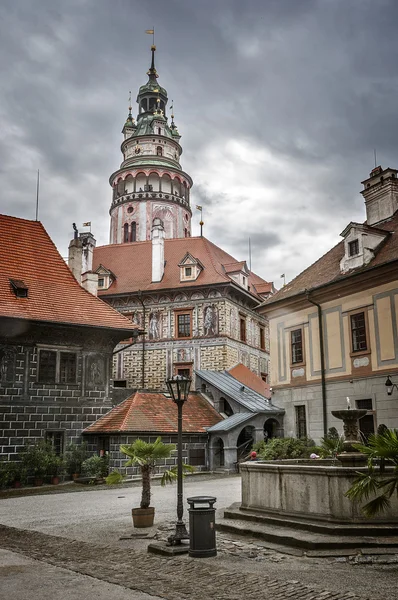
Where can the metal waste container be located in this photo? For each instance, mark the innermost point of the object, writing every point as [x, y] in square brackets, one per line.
[202, 526]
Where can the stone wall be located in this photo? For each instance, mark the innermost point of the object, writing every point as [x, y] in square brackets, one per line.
[29, 409]
[189, 443]
[314, 492]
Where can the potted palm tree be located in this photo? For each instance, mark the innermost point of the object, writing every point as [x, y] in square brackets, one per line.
[146, 455]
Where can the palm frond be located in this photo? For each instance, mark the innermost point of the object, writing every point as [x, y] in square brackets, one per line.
[364, 486]
[376, 506]
[170, 475]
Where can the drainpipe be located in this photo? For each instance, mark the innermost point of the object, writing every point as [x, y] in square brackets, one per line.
[143, 339]
[322, 353]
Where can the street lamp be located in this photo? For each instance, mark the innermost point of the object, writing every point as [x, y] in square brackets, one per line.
[390, 386]
[178, 387]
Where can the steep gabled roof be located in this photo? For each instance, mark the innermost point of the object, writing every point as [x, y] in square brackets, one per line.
[245, 396]
[28, 255]
[155, 413]
[327, 268]
[250, 379]
[132, 265]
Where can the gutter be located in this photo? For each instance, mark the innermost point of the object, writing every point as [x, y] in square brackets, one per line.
[322, 353]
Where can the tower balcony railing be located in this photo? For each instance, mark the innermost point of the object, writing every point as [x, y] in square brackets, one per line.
[123, 197]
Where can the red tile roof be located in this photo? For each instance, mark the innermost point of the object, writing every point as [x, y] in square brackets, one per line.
[235, 267]
[27, 253]
[132, 265]
[327, 269]
[151, 412]
[250, 380]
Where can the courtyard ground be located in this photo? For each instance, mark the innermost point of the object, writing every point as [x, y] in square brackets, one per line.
[65, 543]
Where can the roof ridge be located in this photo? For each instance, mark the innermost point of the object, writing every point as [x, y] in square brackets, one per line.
[131, 398]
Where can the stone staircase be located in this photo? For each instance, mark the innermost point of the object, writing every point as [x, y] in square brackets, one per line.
[308, 534]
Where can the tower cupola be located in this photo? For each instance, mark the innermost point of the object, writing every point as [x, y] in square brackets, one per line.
[150, 183]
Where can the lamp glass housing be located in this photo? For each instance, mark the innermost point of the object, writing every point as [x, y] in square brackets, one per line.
[178, 387]
[389, 386]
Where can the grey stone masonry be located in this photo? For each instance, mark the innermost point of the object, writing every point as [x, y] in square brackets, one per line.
[190, 443]
[34, 403]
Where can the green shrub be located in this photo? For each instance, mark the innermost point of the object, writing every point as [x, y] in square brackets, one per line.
[36, 458]
[75, 455]
[285, 448]
[95, 466]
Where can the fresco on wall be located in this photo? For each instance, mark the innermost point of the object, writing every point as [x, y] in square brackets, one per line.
[155, 325]
[210, 321]
[95, 373]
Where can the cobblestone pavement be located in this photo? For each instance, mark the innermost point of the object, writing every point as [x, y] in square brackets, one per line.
[176, 578]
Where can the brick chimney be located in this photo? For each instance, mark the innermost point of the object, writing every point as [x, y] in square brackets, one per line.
[80, 260]
[157, 250]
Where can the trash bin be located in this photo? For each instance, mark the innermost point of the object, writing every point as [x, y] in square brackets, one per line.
[202, 526]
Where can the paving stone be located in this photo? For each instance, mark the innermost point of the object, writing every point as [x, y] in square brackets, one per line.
[176, 578]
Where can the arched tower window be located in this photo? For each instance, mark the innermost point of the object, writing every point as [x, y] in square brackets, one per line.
[126, 233]
[133, 233]
[159, 131]
[159, 151]
[186, 232]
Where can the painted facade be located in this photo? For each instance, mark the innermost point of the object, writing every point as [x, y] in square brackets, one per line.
[346, 304]
[194, 302]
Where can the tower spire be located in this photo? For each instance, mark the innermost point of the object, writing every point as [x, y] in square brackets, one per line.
[153, 75]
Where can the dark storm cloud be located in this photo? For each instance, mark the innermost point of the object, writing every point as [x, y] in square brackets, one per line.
[280, 104]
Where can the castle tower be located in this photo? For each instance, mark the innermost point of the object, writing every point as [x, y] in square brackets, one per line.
[150, 183]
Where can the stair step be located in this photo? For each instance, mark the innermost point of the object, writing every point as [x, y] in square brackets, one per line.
[311, 525]
[287, 536]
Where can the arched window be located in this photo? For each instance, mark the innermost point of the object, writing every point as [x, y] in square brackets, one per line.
[159, 131]
[133, 234]
[186, 232]
[159, 151]
[126, 233]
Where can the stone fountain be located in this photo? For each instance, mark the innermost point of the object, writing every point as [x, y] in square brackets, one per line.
[303, 502]
[351, 457]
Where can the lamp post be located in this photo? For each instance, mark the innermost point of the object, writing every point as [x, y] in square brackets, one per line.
[390, 386]
[178, 387]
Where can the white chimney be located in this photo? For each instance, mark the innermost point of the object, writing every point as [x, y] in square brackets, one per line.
[80, 260]
[157, 250]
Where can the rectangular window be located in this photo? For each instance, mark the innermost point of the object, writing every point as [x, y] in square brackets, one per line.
[101, 282]
[296, 337]
[57, 367]
[188, 271]
[262, 338]
[184, 372]
[183, 325]
[47, 366]
[67, 367]
[197, 457]
[358, 332]
[353, 248]
[243, 329]
[57, 440]
[301, 422]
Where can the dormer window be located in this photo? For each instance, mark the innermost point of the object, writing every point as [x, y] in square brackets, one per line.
[19, 288]
[353, 248]
[190, 268]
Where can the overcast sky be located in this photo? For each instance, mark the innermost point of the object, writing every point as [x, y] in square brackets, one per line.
[280, 104]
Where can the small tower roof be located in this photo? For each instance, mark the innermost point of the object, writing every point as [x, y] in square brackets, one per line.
[152, 85]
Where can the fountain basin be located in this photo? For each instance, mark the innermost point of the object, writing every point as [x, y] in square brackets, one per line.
[311, 492]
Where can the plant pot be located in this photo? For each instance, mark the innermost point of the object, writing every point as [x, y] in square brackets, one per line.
[143, 517]
[75, 476]
[38, 481]
[55, 480]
